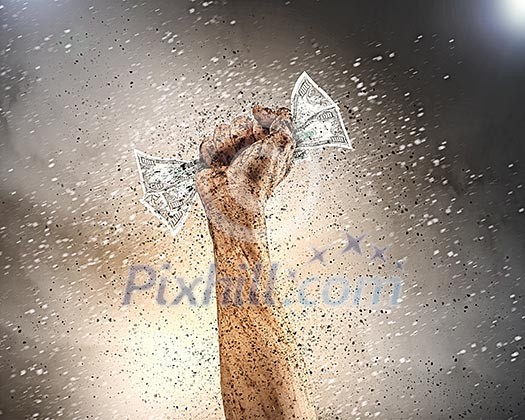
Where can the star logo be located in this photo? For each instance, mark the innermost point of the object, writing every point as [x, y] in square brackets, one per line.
[400, 264]
[353, 243]
[379, 253]
[318, 255]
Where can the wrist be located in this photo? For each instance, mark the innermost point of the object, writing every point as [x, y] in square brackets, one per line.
[237, 228]
[243, 272]
[235, 248]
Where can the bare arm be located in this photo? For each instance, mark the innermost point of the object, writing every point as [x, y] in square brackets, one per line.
[262, 374]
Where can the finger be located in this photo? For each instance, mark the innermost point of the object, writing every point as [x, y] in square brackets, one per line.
[282, 137]
[284, 112]
[259, 132]
[283, 124]
[224, 147]
[203, 183]
[264, 118]
[241, 133]
[277, 150]
[252, 164]
[263, 115]
[283, 145]
[266, 162]
[269, 160]
[206, 150]
[219, 149]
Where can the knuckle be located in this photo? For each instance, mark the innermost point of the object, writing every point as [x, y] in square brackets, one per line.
[284, 113]
[240, 122]
[241, 129]
[222, 133]
[282, 139]
[205, 151]
[265, 116]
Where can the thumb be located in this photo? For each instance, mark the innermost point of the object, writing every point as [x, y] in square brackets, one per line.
[282, 129]
[266, 116]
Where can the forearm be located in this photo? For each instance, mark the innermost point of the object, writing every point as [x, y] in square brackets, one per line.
[243, 269]
[262, 374]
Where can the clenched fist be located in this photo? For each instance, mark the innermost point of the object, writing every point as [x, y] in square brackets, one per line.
[246, 160]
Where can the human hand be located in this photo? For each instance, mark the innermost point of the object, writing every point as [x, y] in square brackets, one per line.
[245, 161]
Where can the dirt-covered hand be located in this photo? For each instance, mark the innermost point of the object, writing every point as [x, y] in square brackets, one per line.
[245, 161]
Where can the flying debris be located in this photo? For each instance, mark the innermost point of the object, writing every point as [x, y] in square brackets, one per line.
[169, 184]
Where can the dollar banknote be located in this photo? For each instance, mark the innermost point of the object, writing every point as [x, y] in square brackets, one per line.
[308, 99]
[325, 128]
[169, 184]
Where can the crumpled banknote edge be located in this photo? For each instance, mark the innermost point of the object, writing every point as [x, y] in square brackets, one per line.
[182, 220]
[347, 146]
[305, 75]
